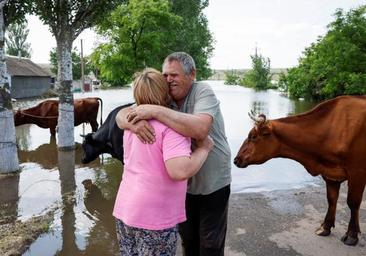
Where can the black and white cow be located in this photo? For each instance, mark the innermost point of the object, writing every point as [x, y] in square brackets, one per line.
[107, 139]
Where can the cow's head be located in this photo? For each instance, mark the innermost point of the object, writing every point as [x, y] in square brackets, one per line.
[92, 148]
[260, 146]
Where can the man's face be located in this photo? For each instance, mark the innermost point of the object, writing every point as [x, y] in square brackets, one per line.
[179, 83]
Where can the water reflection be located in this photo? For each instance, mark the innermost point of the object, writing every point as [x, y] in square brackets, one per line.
[22, 135]
[99, 197]
[47, 156]
[66, 164]
[99, 209]
[96, 204]
[39, 190]
[259, 104]
[260, 107]
[84, 225]
[301, 106]
[39, 154]
[271, 103]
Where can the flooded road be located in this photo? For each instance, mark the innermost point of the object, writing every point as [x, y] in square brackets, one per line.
[84, 194]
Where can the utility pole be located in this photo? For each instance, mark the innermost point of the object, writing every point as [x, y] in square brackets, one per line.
[256, 50]
[82, 73]
[82, 65]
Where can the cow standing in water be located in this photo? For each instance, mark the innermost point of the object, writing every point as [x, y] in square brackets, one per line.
[329, 140]
[45, 114]
[108, 139]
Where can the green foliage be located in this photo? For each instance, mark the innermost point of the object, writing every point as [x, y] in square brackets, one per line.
[137, 33]
[259, 77]
[282, 82]
[193, 35]
[16, 38]
[76, 64]
[15, 11]
[231, 78]
[67, 19]
[336, 63]
[142, 33]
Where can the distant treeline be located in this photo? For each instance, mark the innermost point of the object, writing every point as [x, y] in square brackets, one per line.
[220, 74]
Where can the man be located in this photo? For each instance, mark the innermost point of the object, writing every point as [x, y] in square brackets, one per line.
[195, 113]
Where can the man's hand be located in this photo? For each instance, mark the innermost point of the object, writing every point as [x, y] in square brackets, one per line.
[144, 131]
[141, 112]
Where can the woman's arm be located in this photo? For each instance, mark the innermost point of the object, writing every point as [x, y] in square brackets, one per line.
[181, 168]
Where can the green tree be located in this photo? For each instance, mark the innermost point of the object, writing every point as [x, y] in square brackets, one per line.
[259, 77]
[15, 11]
[16, 40]
[76, 63]
[136, 33]
[336, 63]
[153, 30]
[231, 78]
[10, 12]
[193, 35]
[66, 20]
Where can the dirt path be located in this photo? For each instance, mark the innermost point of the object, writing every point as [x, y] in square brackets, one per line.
[283, 223]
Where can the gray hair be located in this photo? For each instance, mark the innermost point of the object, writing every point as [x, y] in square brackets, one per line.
[184, 59]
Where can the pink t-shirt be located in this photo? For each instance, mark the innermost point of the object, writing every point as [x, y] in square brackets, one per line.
[147, 197]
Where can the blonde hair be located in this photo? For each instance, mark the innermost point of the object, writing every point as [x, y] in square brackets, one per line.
[150, 87]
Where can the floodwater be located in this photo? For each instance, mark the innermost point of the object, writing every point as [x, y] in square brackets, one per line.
[84, 194]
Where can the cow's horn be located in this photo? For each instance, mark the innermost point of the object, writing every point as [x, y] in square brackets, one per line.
[261, 118]
[252, 115]
[82, 135]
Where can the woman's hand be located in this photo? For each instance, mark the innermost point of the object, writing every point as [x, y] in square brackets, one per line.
[206, 143]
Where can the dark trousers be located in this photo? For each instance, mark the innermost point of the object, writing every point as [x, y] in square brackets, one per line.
[204, 232]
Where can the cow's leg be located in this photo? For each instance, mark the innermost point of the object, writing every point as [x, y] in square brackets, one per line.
[53, 130]
[354, 198]
[94, 125]
[332, 196]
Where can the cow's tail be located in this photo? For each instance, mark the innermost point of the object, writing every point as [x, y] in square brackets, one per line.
[101, 110]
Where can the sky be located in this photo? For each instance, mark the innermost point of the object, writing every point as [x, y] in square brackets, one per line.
[280, 29]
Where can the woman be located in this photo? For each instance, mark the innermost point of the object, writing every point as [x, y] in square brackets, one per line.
[151, 197]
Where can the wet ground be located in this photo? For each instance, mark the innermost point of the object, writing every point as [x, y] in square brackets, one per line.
[81, 196]
[283, 223]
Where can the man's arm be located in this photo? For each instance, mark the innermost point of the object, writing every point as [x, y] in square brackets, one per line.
[196, 126]
[143, 130]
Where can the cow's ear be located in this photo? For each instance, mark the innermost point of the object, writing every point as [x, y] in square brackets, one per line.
[265, 130]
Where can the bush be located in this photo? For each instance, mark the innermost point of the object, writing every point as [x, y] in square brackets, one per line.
[335, 64]
[231, 78]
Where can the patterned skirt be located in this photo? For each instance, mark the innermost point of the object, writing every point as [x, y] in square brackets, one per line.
[142, 242]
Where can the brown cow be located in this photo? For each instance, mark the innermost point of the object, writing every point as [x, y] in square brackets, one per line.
[45, 114]
[329, 140]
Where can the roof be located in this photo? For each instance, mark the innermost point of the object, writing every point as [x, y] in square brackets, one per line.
[23, 67]
[47, 68]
